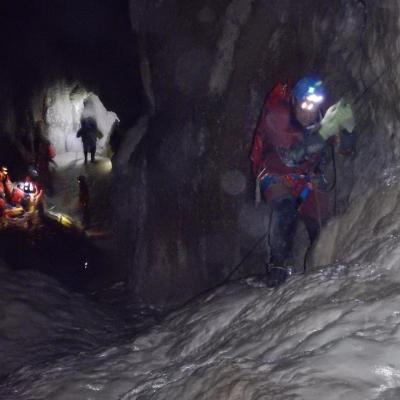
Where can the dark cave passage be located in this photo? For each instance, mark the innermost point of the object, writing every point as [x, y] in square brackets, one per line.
[64, 254]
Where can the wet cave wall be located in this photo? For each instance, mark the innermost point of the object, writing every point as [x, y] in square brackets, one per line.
[368, 228]
[50, 46]
[187, 215]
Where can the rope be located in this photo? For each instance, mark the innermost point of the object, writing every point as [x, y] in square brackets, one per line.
[306, 256]
[334, 180]
[269, 236]
[226, 279]
[247, 255]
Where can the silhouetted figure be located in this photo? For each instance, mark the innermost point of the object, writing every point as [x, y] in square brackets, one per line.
[84, 201]
[116, 136]
[89, 133]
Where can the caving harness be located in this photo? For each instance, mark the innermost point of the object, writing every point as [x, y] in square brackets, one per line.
[301, 185]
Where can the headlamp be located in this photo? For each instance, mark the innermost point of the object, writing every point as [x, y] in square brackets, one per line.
[311, 99]
[314, 98]
[305, 105]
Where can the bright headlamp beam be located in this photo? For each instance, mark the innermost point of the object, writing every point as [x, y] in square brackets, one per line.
[307, 106]
[314, 98]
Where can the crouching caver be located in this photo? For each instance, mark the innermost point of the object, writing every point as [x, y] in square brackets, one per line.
[288, 144]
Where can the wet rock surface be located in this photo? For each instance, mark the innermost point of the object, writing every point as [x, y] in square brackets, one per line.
[330, 334]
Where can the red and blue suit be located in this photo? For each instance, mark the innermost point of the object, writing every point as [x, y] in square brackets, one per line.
[5, 191]
[287, 180]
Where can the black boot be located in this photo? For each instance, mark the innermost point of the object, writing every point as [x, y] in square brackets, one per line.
[276, 276]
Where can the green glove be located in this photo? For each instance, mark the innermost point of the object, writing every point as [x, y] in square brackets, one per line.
[338, 117]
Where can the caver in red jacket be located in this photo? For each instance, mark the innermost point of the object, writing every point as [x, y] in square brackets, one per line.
[276, 133]
[5, 189]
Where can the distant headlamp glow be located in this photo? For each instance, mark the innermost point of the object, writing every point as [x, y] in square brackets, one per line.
[314, 98]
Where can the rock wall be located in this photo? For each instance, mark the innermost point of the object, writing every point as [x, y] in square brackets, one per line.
[369, 59]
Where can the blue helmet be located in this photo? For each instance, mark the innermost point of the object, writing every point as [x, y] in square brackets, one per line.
[310, 88]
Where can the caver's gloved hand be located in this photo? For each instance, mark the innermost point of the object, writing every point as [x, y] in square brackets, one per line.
[337, 118]
[347, 143]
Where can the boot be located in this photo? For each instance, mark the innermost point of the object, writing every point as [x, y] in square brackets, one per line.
[276, 276]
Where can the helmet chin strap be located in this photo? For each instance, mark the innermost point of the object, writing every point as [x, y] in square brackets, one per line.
[315, 123]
